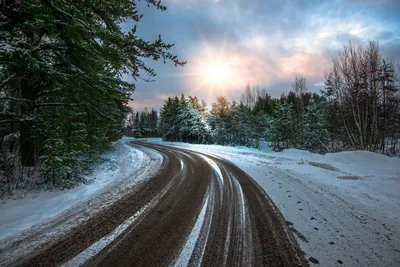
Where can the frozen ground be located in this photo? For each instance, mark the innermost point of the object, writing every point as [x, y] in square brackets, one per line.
[343, 207]
[123, 165]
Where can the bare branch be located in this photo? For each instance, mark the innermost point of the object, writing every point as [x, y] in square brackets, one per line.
[6, 80]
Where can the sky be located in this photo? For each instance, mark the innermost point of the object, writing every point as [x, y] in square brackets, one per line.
[266, 43]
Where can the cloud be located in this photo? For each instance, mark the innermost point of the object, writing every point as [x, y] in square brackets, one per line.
[264, 42]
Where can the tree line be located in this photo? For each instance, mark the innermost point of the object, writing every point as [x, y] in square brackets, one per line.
[63, 98]
[359, 109]
[257, 116]
[142, 124]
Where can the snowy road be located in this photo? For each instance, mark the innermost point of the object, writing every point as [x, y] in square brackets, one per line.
[337, 221]
[197, 210]
[344, 208]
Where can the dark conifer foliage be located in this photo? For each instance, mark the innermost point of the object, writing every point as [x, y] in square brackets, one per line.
[61, 87]
[142, 124]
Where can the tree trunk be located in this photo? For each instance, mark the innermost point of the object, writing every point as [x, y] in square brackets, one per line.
[27, 145]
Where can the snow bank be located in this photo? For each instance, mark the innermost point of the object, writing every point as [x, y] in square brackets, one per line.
[343, 207]
[359, 173]
[361, 163]
[121, 163]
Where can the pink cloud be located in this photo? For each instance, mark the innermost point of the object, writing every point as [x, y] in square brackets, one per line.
[309, 65]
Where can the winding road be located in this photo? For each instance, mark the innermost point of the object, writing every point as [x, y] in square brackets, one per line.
[197, 210]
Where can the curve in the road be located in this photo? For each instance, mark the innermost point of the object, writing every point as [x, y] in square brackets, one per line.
[198, 210]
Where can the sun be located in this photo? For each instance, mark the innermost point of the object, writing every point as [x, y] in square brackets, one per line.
[214, 72]
[213, 69]
[217, 73]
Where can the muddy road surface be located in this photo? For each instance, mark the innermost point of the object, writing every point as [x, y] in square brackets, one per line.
[197, 210]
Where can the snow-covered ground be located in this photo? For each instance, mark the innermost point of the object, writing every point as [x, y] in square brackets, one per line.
[343, 207]
[122, 166]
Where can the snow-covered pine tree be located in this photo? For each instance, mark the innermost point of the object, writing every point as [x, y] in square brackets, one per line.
[61, 69]
[192, 128]
[315, 135]
[220, 121]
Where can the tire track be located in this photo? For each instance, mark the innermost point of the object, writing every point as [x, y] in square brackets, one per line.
[198, 210]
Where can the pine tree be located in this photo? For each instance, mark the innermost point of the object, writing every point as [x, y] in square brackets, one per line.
[181, 120]
[315, 134]
[192, 127]
[283, 127]
[168, 122]
[243, 131]
[153, 122]
[220, 121]
[136, 127]
[62, 64]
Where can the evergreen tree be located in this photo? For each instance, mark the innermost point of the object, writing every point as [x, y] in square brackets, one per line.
[203, 108]
[61, 76]
[264, 104]
[192, 127]
[143, 123]
[283, 128]
[136, 127]
[153, 122]
[168, 122]
[221, 121]
[181, 120]
[298, 121]
[243, 131]
[315, 134]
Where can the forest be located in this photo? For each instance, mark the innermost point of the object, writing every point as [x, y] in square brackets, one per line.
[63, 98]
[359, 109]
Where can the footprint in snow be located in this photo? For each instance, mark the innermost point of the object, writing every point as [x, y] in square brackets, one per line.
[313, 260]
